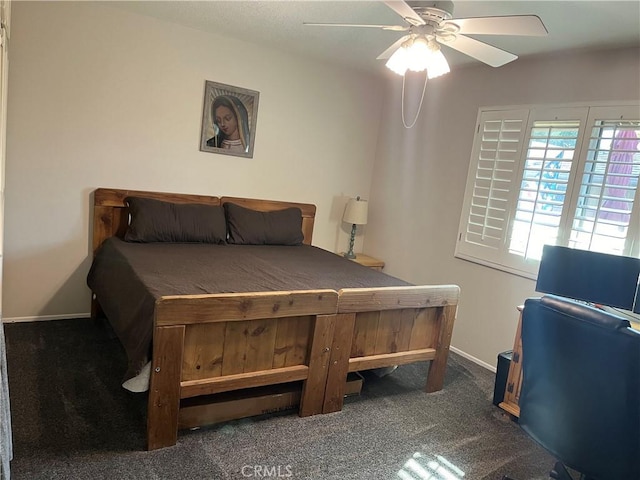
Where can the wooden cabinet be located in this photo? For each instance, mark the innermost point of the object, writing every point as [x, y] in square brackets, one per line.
[368, 261]
[514, 378]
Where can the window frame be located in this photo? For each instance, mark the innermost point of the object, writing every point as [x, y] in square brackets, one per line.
[587, 114]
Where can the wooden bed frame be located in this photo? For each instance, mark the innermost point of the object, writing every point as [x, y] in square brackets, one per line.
[206, 346]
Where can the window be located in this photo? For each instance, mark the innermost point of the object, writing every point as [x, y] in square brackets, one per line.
[561, 176]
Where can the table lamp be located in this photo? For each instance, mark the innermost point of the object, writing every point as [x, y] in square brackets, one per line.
[355, 213]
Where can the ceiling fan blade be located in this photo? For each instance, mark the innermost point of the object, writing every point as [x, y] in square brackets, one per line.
[405, 11]
[389, 51]
[525, 25]
[393, 28]
[481, 51]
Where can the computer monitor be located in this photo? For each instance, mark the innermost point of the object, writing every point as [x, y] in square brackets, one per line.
[593, 277]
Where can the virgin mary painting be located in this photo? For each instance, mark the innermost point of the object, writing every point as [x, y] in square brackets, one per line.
[228, 121]
[231, 123]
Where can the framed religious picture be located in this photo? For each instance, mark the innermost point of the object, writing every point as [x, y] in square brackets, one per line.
[229, 120]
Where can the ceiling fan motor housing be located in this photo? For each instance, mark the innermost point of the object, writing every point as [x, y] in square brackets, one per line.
[433, 12]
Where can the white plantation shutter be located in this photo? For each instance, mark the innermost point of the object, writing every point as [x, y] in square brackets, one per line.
[605, 217]
[554, 135]
[492, 179]
[560, 176]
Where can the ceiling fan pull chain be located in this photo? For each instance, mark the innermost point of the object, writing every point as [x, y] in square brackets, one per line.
[424, 89]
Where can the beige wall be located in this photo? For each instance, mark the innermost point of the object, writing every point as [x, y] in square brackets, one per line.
[420, 175]
[102, 97]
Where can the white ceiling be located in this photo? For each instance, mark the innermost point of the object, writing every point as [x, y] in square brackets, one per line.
[572, 25]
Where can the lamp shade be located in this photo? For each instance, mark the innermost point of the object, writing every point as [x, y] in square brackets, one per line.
[356, 211]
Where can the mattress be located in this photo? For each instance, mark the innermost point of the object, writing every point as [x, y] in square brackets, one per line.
[127, 279]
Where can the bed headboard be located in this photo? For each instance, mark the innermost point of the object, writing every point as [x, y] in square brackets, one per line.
[111, 214]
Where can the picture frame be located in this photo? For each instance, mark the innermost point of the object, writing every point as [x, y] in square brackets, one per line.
[229, 117]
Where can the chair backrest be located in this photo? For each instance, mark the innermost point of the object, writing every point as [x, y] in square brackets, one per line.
[580, 396]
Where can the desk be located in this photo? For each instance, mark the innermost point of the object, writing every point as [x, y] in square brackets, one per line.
[514, 378]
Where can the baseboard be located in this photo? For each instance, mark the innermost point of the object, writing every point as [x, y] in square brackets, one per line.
[473, 359]
[40, 318]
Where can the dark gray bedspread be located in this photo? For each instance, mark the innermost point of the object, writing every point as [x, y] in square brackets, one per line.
[128, 278]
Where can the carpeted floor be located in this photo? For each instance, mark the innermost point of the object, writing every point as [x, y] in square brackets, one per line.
[72, 420]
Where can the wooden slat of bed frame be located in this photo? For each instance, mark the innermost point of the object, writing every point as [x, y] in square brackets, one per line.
[225, 307]
[292, 341]
[393, 298]
[203, 347]
[249, 346]
[425, 329]
[193, 388]
[364, 333]
[261, 343]
[235, 342]
[388, 329]
[388, 359]
[407, 320]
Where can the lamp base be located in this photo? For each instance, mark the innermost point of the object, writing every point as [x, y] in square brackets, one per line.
[352, 239]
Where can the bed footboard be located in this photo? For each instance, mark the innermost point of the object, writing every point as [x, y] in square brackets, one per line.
[387, 326]
[210, 344]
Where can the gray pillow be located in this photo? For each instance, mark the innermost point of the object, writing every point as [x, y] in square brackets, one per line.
[159, 221]
[252, 227]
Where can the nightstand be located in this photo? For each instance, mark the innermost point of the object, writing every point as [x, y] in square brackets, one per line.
[368, 261]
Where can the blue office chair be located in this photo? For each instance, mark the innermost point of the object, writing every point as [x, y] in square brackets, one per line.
[580, 396]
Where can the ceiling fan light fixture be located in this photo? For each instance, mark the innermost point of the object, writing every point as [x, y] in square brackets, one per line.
[398, 62]
[419, 54]
[438, 65]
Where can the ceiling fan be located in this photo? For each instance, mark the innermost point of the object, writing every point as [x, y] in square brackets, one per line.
[430, 24]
